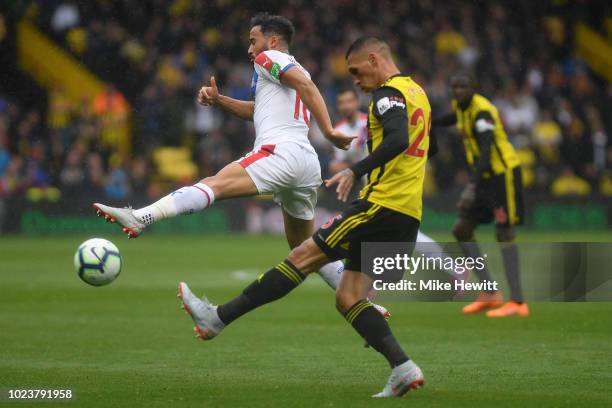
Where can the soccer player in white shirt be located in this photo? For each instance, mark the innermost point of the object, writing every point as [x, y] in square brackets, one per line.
[354, 123]
[282, 162]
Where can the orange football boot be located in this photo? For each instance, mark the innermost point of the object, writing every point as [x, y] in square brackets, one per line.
[484, 301]
[510, 308]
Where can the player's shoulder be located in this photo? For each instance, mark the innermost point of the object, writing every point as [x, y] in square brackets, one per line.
[479, 98]
[405, 83]
[385, 98]
[341, 124]
[276, 53]
[482, 104]
[274, 56]
[362, 119]
[481, 101]
[385, 91]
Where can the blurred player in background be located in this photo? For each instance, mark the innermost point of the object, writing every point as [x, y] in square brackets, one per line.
[283, 162]
[495, 192]
[354, 123]
[388, 210]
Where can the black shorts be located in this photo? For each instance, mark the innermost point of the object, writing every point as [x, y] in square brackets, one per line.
[342, 235]
[498, 199]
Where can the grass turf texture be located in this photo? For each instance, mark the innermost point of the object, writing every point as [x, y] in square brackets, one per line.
[129, 343]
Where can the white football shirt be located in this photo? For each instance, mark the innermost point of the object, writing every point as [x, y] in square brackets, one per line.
[280, 115]
[358, 148]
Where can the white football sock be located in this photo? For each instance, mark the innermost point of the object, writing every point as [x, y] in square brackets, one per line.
[331, 273]
[185, 200]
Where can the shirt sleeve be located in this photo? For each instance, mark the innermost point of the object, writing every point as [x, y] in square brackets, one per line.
[433, 145]
[389, 107]
[484, 127]
[272, 65]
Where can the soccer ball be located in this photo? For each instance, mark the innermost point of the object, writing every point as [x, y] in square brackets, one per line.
[97, 261]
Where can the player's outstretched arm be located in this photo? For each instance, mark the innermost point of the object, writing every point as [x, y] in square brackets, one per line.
[312, 98]
[209, 95]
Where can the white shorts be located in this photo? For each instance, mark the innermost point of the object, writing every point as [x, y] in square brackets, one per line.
[288, 171]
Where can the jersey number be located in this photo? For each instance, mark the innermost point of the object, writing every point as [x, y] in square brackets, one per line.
[413, 149]
[296, 111]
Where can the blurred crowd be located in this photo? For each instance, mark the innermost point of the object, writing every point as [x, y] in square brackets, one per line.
[156, 54]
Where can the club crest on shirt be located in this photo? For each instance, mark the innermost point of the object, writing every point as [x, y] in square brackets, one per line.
[383, 105]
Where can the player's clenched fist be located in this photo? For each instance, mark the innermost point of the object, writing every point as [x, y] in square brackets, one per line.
[208, 95]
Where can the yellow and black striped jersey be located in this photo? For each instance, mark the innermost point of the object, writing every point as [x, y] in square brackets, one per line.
[481, 115]
[397, 184]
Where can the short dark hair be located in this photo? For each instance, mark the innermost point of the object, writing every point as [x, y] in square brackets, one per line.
[363, 42]
[274, 24]
[465, 75]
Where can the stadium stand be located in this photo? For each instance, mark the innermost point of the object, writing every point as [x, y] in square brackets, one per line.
[118, 117]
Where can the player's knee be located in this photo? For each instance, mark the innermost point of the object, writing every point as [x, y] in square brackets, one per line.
[463, 231]
[504, 233]
[344, 301]
[301, 256]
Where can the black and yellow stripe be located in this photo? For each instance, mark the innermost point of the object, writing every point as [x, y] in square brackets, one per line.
[357, 308]
[290, 272]
[350, 223]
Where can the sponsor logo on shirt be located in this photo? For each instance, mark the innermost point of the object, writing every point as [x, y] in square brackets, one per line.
[272, 67]
[274, 70]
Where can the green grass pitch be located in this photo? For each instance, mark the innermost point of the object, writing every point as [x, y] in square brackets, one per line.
[129, 343]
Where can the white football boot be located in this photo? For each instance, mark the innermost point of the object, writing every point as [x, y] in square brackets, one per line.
[132, 226]
[202, 312]
[403, 378]
[382, 310]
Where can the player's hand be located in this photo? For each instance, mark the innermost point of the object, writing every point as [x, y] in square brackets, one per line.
[345, 180]
[209, 95]
[468, 197]
[339, 139]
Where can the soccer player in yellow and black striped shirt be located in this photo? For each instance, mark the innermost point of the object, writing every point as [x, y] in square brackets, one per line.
[388, 210]
[494, 192]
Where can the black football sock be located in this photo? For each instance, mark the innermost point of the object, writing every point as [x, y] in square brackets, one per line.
[373, 327]
[472, 250]
[270, 286]
[511, 265]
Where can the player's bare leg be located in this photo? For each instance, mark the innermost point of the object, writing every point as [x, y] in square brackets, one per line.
[230, 182]
[297, 231]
